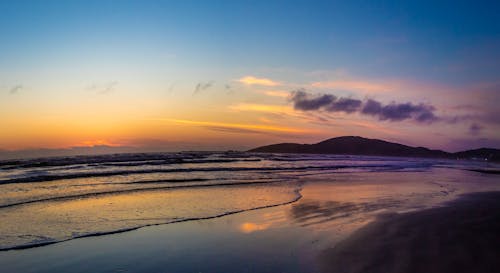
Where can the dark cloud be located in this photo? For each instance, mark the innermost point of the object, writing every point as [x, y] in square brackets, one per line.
[426, 114]
[347, 105]
[303, 101]
[391, 112]
[372, 107]
[401, 111]
[15, 89]
[475, 129]
[201, 86]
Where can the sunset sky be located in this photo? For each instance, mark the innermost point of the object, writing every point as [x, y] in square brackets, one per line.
[204, 75]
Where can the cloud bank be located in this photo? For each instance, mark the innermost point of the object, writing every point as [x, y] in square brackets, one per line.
[422, 113]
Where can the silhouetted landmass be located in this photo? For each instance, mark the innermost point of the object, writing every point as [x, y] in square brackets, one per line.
[483, 153]
[355, 145]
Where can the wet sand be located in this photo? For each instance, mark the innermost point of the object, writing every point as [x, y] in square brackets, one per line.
[311, 234]
[462, 236]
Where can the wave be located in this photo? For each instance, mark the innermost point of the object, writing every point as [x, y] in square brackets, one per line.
[94, 194]
[166, 162]
[74, 164]
[49, 241]
[44, 177]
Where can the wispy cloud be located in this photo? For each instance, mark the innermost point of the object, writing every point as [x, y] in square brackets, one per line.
[102, 88]
[274, 111]
[110, 87]
[275, 93]
[98, 142]
[232, 126]
[229, 89]
[201, 86]
[15, 89]
[171, 87]
[232, 130]
[251, 80]
[266, 108]
[422, 113]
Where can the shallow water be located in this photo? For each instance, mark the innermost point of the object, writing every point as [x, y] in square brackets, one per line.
[50, 200]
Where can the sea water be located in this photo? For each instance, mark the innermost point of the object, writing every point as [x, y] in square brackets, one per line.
[48, 200]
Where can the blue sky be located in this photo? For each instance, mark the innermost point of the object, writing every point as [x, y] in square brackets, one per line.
[377, 39]
[441, 53]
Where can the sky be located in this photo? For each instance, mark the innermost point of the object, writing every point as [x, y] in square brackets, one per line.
[219, 75]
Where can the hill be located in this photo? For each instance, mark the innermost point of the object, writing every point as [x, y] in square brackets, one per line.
[355, 145]
[488, 154]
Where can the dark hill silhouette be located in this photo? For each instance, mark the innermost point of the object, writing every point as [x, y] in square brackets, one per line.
[483, 153]
[355, 145]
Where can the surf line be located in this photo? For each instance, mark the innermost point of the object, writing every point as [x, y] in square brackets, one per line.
[95, 194]
[96, 234]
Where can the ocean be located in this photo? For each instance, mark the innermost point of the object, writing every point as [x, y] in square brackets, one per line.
[50, 200]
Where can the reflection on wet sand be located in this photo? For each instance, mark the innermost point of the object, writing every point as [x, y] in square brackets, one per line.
[249, 227]
[351, 200]
[264, 221]
[314, 212]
